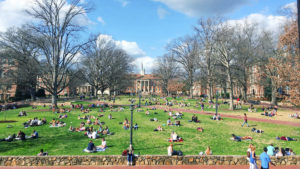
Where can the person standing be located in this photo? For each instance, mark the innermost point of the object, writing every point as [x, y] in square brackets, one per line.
[252, 159]
[130, 155]
[245, 120]
[265, 159]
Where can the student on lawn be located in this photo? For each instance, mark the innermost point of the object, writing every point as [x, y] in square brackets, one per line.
[208, 151]
[170, 150]
[103, 144]
[245, 120]
[91, 146]
[286, 138]
[35, 134]
[42, 153]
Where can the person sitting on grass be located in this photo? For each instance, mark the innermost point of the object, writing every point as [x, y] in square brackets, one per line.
[208, 151]
[110, 116]
[106, 131]
[91, 146]
[195, 119]
[126, 124]
[35, 134]
[290, 152]
[238, 138]
[280, 153]
[42, 153]
[136, 127]
[71, 128]
[103, 144]
[169, 123]
[21, 135]
[159, 128]
[286, 138]
[177, 123]
[147, 112]
[97, 122]
[200, 129]
[216, 117]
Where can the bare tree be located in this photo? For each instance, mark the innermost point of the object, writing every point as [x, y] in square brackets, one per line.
[225, 47]
[247, 47]
[58, 41]
[106, 66]
[205, 34]
[167, 69]
[186, 53]
[16, 43]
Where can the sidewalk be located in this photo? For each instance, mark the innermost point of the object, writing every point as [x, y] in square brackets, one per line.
[152, 167]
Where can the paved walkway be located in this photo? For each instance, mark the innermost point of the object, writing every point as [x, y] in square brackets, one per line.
[229, 116]
[153, 167]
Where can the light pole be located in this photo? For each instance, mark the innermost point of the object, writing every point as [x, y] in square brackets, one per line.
[131, 121]
[217, 103]
[140, 99]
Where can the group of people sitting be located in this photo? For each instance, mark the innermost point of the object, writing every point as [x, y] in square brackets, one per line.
[22, 113]
[279, 152]
[21, 136]
[295, 115]
[216, 117]
[91, 148]
[175, 138]
[57, 123]
[251, 108]
[169, 122]
[35, 122]
[195, 119]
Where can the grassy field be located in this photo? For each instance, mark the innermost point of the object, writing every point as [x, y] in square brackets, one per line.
[59, 141]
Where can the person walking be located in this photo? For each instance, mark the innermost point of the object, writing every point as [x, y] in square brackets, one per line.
[265, 159]
[245, 120]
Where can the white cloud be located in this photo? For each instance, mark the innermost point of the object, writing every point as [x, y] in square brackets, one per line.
[147, 61]
[100, 19]
[291, 6]
[199, 8]
[133, 50]
[13, 14]
[271, 23]
[123, 2]
[161, 12]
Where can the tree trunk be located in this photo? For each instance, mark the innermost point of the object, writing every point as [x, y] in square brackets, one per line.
[54, 100]
[245, 93]
[210, 92]
[274, 98]
[32, 94]
[231, 90]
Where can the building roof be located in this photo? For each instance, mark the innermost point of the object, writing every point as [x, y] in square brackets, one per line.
[145, 77]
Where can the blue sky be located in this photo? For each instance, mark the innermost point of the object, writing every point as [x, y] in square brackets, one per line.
[144, 27]
[152, 24]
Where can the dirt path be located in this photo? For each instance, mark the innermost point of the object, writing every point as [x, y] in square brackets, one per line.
[231, 116]
[152, 167]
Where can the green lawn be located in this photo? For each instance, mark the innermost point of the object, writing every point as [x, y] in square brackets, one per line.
[59, 141]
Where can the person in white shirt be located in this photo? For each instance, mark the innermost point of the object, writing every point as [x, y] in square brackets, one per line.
[103, 144]
[170, 150]
[94, 135]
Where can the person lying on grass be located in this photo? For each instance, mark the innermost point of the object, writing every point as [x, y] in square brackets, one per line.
[63, 116]
[257, 130]
[238, 138]
[286, 138]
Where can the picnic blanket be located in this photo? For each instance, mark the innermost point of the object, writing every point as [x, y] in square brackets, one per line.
[94, 151]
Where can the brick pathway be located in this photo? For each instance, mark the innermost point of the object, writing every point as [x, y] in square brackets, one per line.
[152, 167]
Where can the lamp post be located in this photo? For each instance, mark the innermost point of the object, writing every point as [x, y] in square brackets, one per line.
[217, 103]
[131, 121]
[140, 99]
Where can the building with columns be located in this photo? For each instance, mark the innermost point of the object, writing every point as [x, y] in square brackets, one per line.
[146, 84]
